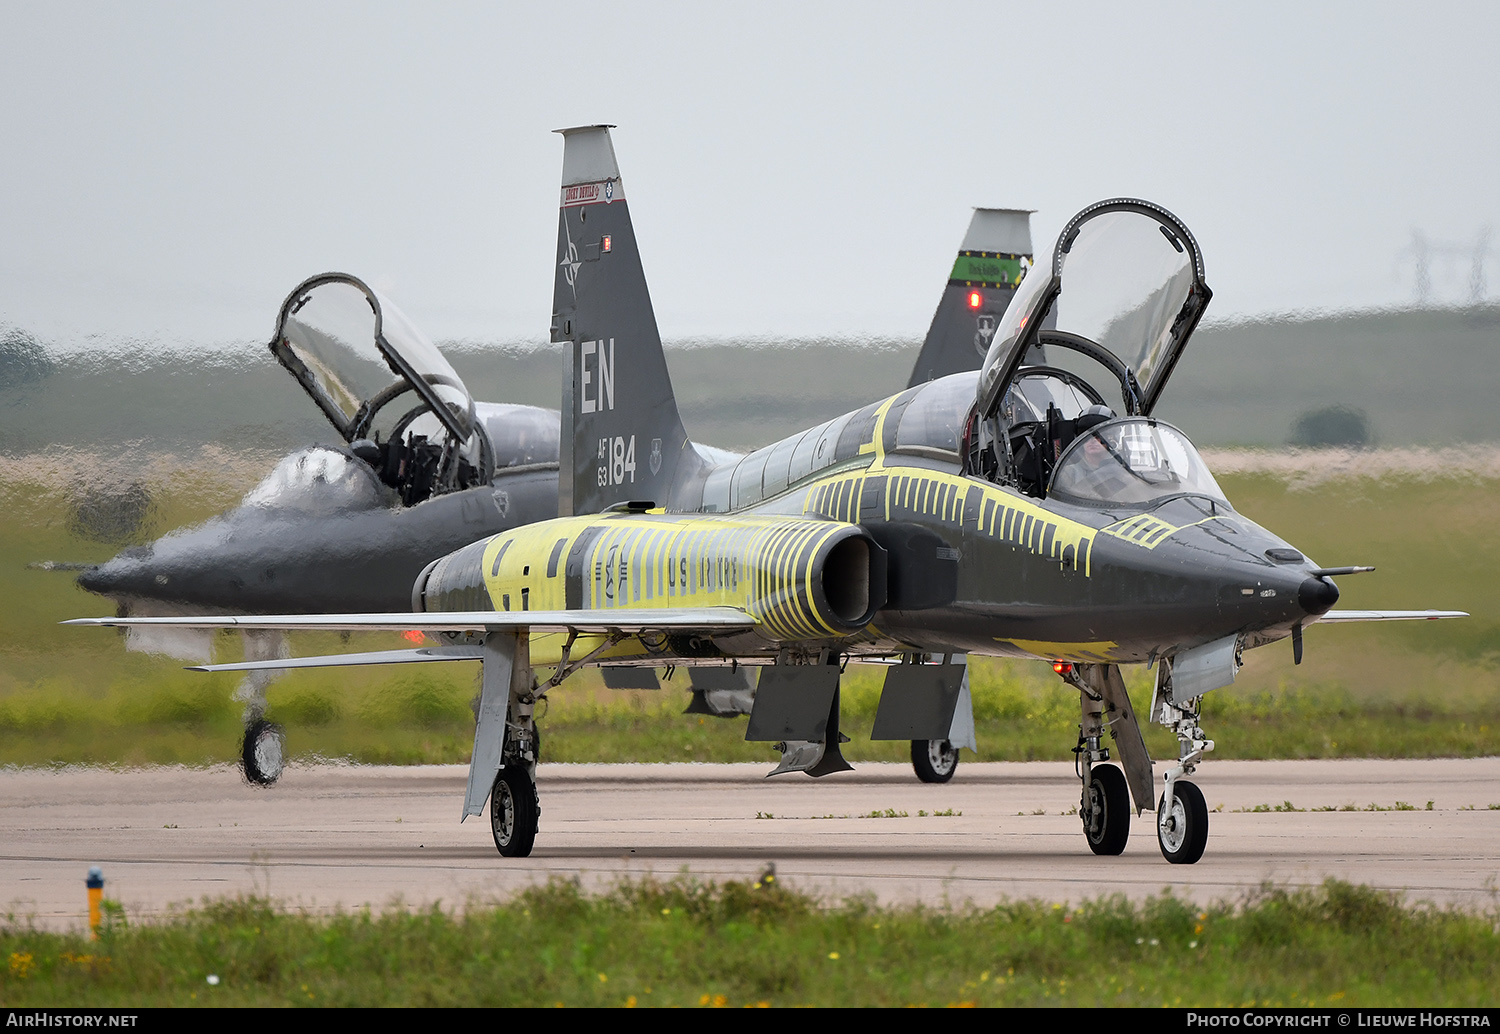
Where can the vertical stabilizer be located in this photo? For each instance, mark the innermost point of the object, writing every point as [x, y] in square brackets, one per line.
[622, 437]
[994, 256]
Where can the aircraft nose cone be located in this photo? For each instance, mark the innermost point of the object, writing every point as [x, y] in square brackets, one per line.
[126, 573]
[1317, 596]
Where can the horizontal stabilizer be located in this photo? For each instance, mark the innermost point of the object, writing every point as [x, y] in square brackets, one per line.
[1391, 615]
[426, 653]
[706, 619]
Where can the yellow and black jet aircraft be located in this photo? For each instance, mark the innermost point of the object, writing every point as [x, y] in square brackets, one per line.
[1034, 509]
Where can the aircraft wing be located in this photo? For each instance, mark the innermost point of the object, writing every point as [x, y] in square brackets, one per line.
[704, 619]
[1390, 615]
[339, 660]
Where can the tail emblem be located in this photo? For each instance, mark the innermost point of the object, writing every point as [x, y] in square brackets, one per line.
[655, 456]
[570, 261]
[984, 332]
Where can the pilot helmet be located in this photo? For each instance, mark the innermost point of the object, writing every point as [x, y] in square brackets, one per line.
[1093, 416]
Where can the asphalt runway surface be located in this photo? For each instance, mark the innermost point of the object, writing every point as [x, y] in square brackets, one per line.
[329, 836]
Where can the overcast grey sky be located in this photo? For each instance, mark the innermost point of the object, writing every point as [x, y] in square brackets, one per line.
[174, 169]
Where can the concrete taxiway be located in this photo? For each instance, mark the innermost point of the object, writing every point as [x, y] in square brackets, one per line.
[330, 836]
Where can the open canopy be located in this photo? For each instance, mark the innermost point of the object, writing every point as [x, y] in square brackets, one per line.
[1125, 289]
[354, 351]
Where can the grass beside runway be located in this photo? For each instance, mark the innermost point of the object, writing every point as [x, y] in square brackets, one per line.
[683, 943]
[1419, 689]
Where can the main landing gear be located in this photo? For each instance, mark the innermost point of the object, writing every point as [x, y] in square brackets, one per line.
[507, 743]
[934, 761]
[1105, 809]
[515, 811]
[1104, 804]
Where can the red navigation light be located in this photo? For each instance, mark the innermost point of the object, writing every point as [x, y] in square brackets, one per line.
[413, 635]
[975, 299]
[1063, 668]
[605, 243]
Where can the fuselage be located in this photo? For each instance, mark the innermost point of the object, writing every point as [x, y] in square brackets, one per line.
[886, 553]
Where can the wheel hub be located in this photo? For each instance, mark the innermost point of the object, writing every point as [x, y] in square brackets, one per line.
[505, 815]
[1172, 826]
[1092, 809]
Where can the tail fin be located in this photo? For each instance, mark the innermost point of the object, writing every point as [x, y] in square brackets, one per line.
[622, 437]
[991, 261]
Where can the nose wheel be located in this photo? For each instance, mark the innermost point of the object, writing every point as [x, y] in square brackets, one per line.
[263, 754]
[1182, 824]
[935, 761]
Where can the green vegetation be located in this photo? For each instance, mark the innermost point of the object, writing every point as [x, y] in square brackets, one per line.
[1410, 690]
[684, 943]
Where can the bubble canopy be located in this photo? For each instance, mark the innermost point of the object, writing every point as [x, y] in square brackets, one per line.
[343, 340]
[1125, 286]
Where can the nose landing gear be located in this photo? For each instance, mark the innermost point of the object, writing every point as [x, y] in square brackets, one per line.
[263, 753]
[1182, 823]
[1182, 814]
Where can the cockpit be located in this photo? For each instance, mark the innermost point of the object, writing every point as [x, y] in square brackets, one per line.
[384, 386]
[1080, 359]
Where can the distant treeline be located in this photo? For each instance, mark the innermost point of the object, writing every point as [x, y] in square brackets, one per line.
[1388, 378]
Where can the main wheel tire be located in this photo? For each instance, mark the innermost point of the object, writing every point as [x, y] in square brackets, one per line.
[263, 754]
[515, 812]
[935, 761]
[1182, 830]
[1105, 810]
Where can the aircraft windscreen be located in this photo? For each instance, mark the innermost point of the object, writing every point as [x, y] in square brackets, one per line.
[1132, 461]
[1125, 277]
[320, 480]
[332, 330]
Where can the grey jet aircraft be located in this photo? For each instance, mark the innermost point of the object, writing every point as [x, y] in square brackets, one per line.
[424, 469]
[1013, 512]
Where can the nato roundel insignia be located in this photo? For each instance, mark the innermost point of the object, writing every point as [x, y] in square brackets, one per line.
[609, 191]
